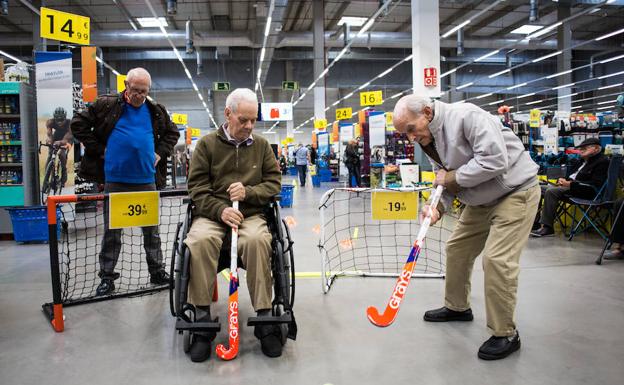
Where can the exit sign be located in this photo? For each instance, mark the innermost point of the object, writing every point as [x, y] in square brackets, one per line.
[221, 86]
[290, 86]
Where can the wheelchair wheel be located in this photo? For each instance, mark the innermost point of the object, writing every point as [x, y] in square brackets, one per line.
[289, 265]
[187, 340]
[172, 275]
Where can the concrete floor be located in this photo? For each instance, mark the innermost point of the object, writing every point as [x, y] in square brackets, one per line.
[570, 316]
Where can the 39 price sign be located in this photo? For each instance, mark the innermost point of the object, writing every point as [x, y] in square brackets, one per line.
[371, 98]
[394, 205]
[65, 26]
[344, 113]
[133, 209]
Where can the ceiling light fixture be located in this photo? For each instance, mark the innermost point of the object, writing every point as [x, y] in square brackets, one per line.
[456, 28]
[546, 57]
[152, 22]
[464, 86]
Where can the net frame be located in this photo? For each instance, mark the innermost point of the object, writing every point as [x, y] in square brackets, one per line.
[60, 296]
[331, 250]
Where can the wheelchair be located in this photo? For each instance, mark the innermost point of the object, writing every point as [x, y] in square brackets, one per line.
[282, 268]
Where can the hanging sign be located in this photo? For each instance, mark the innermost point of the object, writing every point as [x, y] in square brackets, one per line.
[371, 98]
[64, 26]
[179, 118]
[134, 209]
[534, 118]
[431, 77]
[344, 113]
[320, 124]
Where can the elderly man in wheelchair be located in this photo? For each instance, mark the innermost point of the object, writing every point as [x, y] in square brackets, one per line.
[232, 165]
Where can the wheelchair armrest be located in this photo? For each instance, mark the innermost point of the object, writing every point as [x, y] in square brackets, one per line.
[270, 320]
[214, 326]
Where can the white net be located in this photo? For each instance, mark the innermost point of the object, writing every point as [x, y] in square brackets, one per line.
[354, 244]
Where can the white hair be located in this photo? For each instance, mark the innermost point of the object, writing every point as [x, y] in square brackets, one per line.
[412, 103]
[138, 72]
[240, 95]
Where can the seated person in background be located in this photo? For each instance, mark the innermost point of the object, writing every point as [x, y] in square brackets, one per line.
[584, 183]
[617, 232]
[229, 165]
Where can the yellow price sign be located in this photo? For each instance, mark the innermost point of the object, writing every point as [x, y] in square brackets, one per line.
[372, 98]
[195, 132]
[534, 118]
[179, 118]
[394, 205]
[344, 113]
[64, 26]
[320, 123]
[121, 83]
[389, 122]
[134, 209]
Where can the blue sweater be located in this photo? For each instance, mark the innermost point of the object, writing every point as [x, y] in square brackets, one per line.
[130, 148]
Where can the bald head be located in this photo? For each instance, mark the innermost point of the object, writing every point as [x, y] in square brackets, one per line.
[411, 116]
[138, 83]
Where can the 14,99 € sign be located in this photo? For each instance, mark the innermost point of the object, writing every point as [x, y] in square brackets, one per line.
[64, 26]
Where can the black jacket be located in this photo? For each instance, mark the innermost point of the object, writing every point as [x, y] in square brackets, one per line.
[93, 126]
[352, 155]
[590, 178]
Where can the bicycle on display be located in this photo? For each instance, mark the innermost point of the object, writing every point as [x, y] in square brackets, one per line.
[52, 183]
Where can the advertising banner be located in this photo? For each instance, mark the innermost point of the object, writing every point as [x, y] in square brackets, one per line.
[89, 74]
[54, 112]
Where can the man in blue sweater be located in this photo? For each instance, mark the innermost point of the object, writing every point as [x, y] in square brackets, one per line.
[125, 137]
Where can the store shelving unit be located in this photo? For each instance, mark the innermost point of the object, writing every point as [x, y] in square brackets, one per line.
[17, 149]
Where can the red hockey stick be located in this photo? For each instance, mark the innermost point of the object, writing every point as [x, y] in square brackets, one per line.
[387, 318]
[223, 352]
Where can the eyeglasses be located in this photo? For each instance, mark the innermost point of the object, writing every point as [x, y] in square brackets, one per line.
[138, 91]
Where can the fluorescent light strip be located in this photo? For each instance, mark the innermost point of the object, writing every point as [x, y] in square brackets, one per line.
[386, 72]
[487, 55]
[499, 73]
[611, 75]
[619, 31]
[575, 107]
[606, 108]
[535, 102]
[611, 86]
[567, 96]
[447, 73]
[464, 86]
[454, 29]
[11, 57]
[525, 95]
[516, 86]
[366, 26]
[563, 86]
[546, 57]
[484, 95]
[543, 31]
[495, 102]
[607, 102]
[560, 73]
[611, 59]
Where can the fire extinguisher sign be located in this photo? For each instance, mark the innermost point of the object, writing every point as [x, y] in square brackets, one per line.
[431, 77]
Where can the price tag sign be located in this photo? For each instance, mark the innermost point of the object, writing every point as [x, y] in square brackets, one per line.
[64, 26]
[320, 123]
[344, 113]
[134, 209]
[394, 206]
[372, 98]
[195, 132]
[179, 118]
[534, 118]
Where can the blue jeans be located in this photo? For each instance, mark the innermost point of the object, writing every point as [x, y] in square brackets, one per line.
[303, 169]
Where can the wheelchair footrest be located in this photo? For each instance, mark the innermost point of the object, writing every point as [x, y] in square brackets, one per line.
[270, 320]
[214, 326]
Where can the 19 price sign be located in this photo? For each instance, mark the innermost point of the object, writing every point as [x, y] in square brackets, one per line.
[394, 205]
[65, 26]
[133, 209]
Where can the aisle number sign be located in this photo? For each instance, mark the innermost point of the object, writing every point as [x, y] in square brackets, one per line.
[534, 118]
[195, 132]
[134, 209]
[320, 123]
[64, 26]
[394, 206]
[179, 118]
[344, 113]
[371, 98]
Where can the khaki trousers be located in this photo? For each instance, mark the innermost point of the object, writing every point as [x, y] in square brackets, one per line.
[204, 240]
[501, 232]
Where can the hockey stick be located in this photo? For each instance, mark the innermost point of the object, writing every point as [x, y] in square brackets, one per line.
[387, 318]
[223, 352]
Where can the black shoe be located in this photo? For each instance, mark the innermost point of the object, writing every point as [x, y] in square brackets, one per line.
[545, 231]
[201, 346]
[445, 314]
[536, 226]
[160, 278]
[499, 347]
[270, 337]
[105, 287]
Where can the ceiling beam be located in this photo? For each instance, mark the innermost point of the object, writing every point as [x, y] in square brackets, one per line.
[337, 16]
[458, 14]
[543, 12]
[6, 22]
[496, 15]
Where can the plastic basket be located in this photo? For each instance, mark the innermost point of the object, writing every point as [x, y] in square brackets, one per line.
[286, 199]
[316, 181]
[292, 170]
[30, 224]
[325, 174]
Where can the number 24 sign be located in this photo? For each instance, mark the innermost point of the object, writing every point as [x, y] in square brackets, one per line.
[64, 26]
